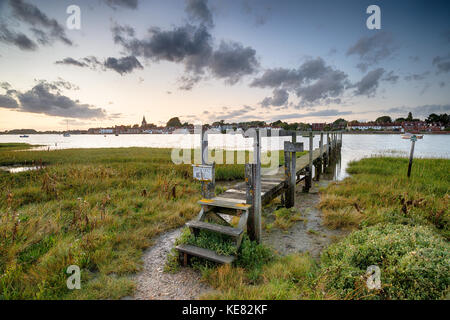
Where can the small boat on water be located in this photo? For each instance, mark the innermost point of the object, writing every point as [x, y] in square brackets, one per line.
[24, 136]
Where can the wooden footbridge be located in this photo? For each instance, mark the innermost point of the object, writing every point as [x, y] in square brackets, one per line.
[245, 199]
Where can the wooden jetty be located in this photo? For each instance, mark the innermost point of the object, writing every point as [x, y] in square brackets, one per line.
[245, 199]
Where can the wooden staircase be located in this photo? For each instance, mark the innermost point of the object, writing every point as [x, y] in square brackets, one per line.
[214, 208]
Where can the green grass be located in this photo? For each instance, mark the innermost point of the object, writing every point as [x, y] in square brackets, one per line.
[95, 208]
[380, 192]
[15, 146]
[401, 226]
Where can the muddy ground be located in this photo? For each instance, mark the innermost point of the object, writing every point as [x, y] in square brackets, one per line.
[308, 235]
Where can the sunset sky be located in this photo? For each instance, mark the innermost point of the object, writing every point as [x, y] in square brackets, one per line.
[307, 61]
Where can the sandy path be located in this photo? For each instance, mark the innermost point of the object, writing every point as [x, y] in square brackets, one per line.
[155, 284]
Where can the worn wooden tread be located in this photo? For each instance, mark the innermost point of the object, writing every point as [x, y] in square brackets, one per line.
[225, 203]
[229, 231]
[205, 253]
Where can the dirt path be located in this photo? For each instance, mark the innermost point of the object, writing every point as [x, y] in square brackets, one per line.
[311, 236]
[152, 283]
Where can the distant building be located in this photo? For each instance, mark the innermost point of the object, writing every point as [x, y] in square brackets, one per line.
[318, 126]
[363, 126]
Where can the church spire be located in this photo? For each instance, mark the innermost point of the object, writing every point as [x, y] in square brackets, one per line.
[144, 123]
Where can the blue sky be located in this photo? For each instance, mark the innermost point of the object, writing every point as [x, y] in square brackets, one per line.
[308, 61]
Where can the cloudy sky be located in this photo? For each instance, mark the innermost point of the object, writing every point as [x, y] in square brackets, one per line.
[207, 60]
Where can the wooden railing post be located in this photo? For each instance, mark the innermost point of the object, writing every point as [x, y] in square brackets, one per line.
[328, 148]
[289, 174]
[308, 178]
[208, 187]
[321, 164]
[254, 219]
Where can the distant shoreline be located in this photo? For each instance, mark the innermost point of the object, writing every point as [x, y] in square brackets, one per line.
[112, 134]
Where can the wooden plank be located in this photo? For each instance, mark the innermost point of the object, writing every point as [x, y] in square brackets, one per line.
[229, 231]
[237, 200]
[235, 191]
[232, 195]
[204, 253]
[224, 203]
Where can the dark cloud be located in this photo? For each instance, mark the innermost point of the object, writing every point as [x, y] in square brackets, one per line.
[18, 39]
[368, 85]
[442, 63]
[188, 44]
[273, 78]
[232, 61]
[47, 98]
[314, 82]
[198, 10]
[31, 15]
[120, 65]
[280, 97]
[192, 47]
[8, 102]
[420, 111]
[417, 76]
[187, 82]
[123, 65]
[391, 77]
[130, 4]
[329, 85]
[72, 61]
[372, 49]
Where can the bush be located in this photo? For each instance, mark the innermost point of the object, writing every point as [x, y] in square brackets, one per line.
[414, 263]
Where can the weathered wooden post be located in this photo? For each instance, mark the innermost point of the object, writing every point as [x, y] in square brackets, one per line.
[411, 155]
[249, 180]
[319, 163]
[254, 219]
[328, 148]
[208, 186]
[309, 169]
[290, 170]
[413, 139]
[288, 195]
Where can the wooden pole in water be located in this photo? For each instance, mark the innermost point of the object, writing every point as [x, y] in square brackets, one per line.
[413, 142]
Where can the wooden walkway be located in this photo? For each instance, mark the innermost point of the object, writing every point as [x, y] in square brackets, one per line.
[271, 185]
[244, 201]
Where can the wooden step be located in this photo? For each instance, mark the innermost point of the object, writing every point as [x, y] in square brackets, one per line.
[236, 204]
[204, 253]
[229, 231]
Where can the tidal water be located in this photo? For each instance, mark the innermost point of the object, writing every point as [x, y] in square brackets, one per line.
[354, 146]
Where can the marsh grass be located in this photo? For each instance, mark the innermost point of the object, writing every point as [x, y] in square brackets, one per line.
[402, 223]
[95, 208]
[379, 191]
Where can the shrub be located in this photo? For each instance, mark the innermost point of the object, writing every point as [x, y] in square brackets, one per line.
[414, 263]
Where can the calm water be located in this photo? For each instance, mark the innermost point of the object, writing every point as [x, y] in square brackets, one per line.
[354, 147]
